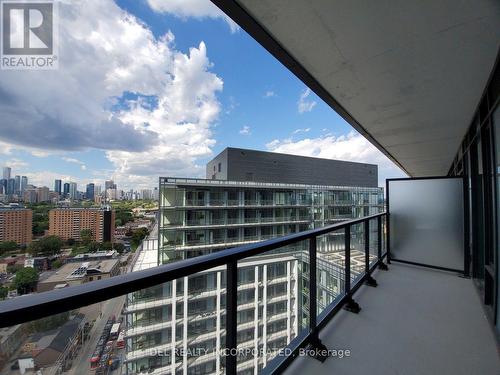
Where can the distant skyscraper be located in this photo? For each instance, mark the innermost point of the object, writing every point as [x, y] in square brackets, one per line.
[90, 191]
[73, 192]
[57, 186]
[11, 186]
[109, 185]
[24, 183]
[6, 173]
[66, 189]
[42, 194]
[17, 186]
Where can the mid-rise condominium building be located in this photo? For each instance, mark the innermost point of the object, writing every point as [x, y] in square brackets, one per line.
[16, 224]
[178, 328]
[69, 222]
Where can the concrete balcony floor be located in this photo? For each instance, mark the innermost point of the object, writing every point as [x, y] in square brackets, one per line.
[417, 321]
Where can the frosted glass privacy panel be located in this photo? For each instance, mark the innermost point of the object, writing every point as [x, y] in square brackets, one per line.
[427, 221]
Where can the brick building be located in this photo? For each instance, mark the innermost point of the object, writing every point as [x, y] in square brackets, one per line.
[69, 222]
[16, 224]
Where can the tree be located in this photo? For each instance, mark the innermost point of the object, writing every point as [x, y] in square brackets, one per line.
[70, 241]
[6, 246]
[106, 245]
[3, 292]
[86, 236]
[25, 280]
[56, 264]
[138, 235]
[119, 247]
[14, 268]
[50, 245]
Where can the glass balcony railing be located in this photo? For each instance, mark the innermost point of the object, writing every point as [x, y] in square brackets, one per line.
[195, 202]
[277, 294]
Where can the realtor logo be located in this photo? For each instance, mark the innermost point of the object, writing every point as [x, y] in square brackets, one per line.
[28, 35]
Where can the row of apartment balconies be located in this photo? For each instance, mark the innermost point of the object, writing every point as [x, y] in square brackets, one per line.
[166, 346]
[224, 222]
[158, 301]
[220, 203]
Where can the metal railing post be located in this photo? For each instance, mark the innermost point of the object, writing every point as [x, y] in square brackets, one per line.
[369, 280]
[313, 294]
[231, 316]
[315, 342]
[381, 264]
[350, 305]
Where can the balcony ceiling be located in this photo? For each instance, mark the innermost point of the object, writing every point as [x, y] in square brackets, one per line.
[407, 74]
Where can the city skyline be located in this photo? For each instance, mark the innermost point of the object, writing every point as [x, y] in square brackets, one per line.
[57, 185]
[184, 122]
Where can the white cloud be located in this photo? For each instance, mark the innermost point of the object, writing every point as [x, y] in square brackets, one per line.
[269, 94]
[192, 8]
[349, 147]
[71, 160]
[83, 167]
[5, 148]
[304, 105]
[160, 126]
[304, 130]
[245, 130]
[16, 164]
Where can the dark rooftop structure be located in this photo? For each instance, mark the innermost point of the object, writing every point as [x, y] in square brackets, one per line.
[238, 164]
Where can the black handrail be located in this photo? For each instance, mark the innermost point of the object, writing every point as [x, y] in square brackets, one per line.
[40, 305]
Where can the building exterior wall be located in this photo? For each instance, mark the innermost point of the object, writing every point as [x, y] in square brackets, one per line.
[16, 225]
[235, 164]
[69, 222]
[268, 317]
[201, 216]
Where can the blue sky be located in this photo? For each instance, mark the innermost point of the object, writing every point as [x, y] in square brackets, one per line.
[247, 99]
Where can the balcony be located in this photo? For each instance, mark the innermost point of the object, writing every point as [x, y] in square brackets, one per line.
[409, 316]
[441, 317]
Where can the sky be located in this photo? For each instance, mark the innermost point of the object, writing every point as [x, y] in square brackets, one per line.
[149, 88]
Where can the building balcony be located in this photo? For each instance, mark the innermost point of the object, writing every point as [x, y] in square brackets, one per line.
[417, 317]
[419, 320]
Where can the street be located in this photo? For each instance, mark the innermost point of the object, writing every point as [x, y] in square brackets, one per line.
[81, 364]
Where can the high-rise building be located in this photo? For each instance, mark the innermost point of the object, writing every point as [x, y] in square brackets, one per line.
[198, 217]
[109, 184]
[6, 173]
[24, 183]
[16, 224]
[42, 194]
[73, 191]
[69, 222]
[66, 189]
[146, 194]
[30, 195]
[111, 194]
[17, 187]
[57, 186]
[90, 191]
[11, 186]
